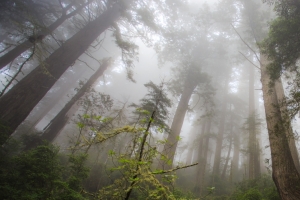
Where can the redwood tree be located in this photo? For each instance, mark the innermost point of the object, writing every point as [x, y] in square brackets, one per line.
[18, 102]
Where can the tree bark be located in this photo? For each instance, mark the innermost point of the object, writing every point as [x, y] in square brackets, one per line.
[252, 125]
[18, 50]
[53, 129]
[284, 172]
[219, 142]
[172, 141]
[18, 102]
[236, 157]
[50, 101]
[287, 122]
[203, 158]
[59, 121]
[229, 151]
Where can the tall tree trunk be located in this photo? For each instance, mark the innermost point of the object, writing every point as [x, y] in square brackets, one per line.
[229, 151]
[236, 157]
[284, 172]
[50, 101]
[189, 156]
[287, 122]
[59, 121]
[191, 146]
[251, 121]
[18, 102]
[18, 50]
[219, 142]
[257, 160]
[203, 158]
[171, 145]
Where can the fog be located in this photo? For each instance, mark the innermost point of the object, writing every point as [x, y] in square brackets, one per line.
[156, 94]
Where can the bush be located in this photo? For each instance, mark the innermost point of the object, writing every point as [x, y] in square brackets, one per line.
[252, 194]
[36, 174]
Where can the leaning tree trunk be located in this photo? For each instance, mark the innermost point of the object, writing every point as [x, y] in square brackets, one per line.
[284, 172]
[18, 102]
[173, 137]
[50, 101]
[18, 50]
[59, 121]
[287, 122]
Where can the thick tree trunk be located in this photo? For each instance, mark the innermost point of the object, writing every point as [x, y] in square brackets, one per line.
[171, 145]
[284, 172]
[18, 102]
[219, 142]
[287, 122]
[18, 50]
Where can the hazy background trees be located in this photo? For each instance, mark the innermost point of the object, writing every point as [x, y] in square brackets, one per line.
[73, 74]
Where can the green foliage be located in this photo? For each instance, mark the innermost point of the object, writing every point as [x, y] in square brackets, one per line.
[282, 45]
[38, 174]
[4, 132]
[252, 194]
[262, 188]
[156, 99]
[180, 194]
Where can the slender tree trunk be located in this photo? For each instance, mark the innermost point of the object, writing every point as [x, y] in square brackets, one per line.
[251, 120]
[236, 157]
[203, 160]
[18, 50]
[229, 151]
[171, 145]
[219, 142]
[189, 155]
[59, 121]
[49, 102]
[18, 102]
[191, 147]
[257, 160]
[284, 172]
[287, 122]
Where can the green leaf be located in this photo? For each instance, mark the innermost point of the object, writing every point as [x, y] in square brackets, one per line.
[111, 153]
[80, 125]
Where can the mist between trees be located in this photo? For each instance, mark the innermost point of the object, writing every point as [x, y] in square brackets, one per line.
[157, 99]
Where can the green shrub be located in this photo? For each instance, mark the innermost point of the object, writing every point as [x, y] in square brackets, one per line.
[252, 194]
[37, 174]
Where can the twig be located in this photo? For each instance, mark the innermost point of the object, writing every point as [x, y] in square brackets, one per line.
[17, 73]
[174, 169]
[249, 60]
[246, 43]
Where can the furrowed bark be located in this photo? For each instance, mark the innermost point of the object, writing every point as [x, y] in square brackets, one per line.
[284, 172]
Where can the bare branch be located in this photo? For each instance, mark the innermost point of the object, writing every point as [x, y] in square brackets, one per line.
[246, 43]
[249, 60]
[174, 169]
